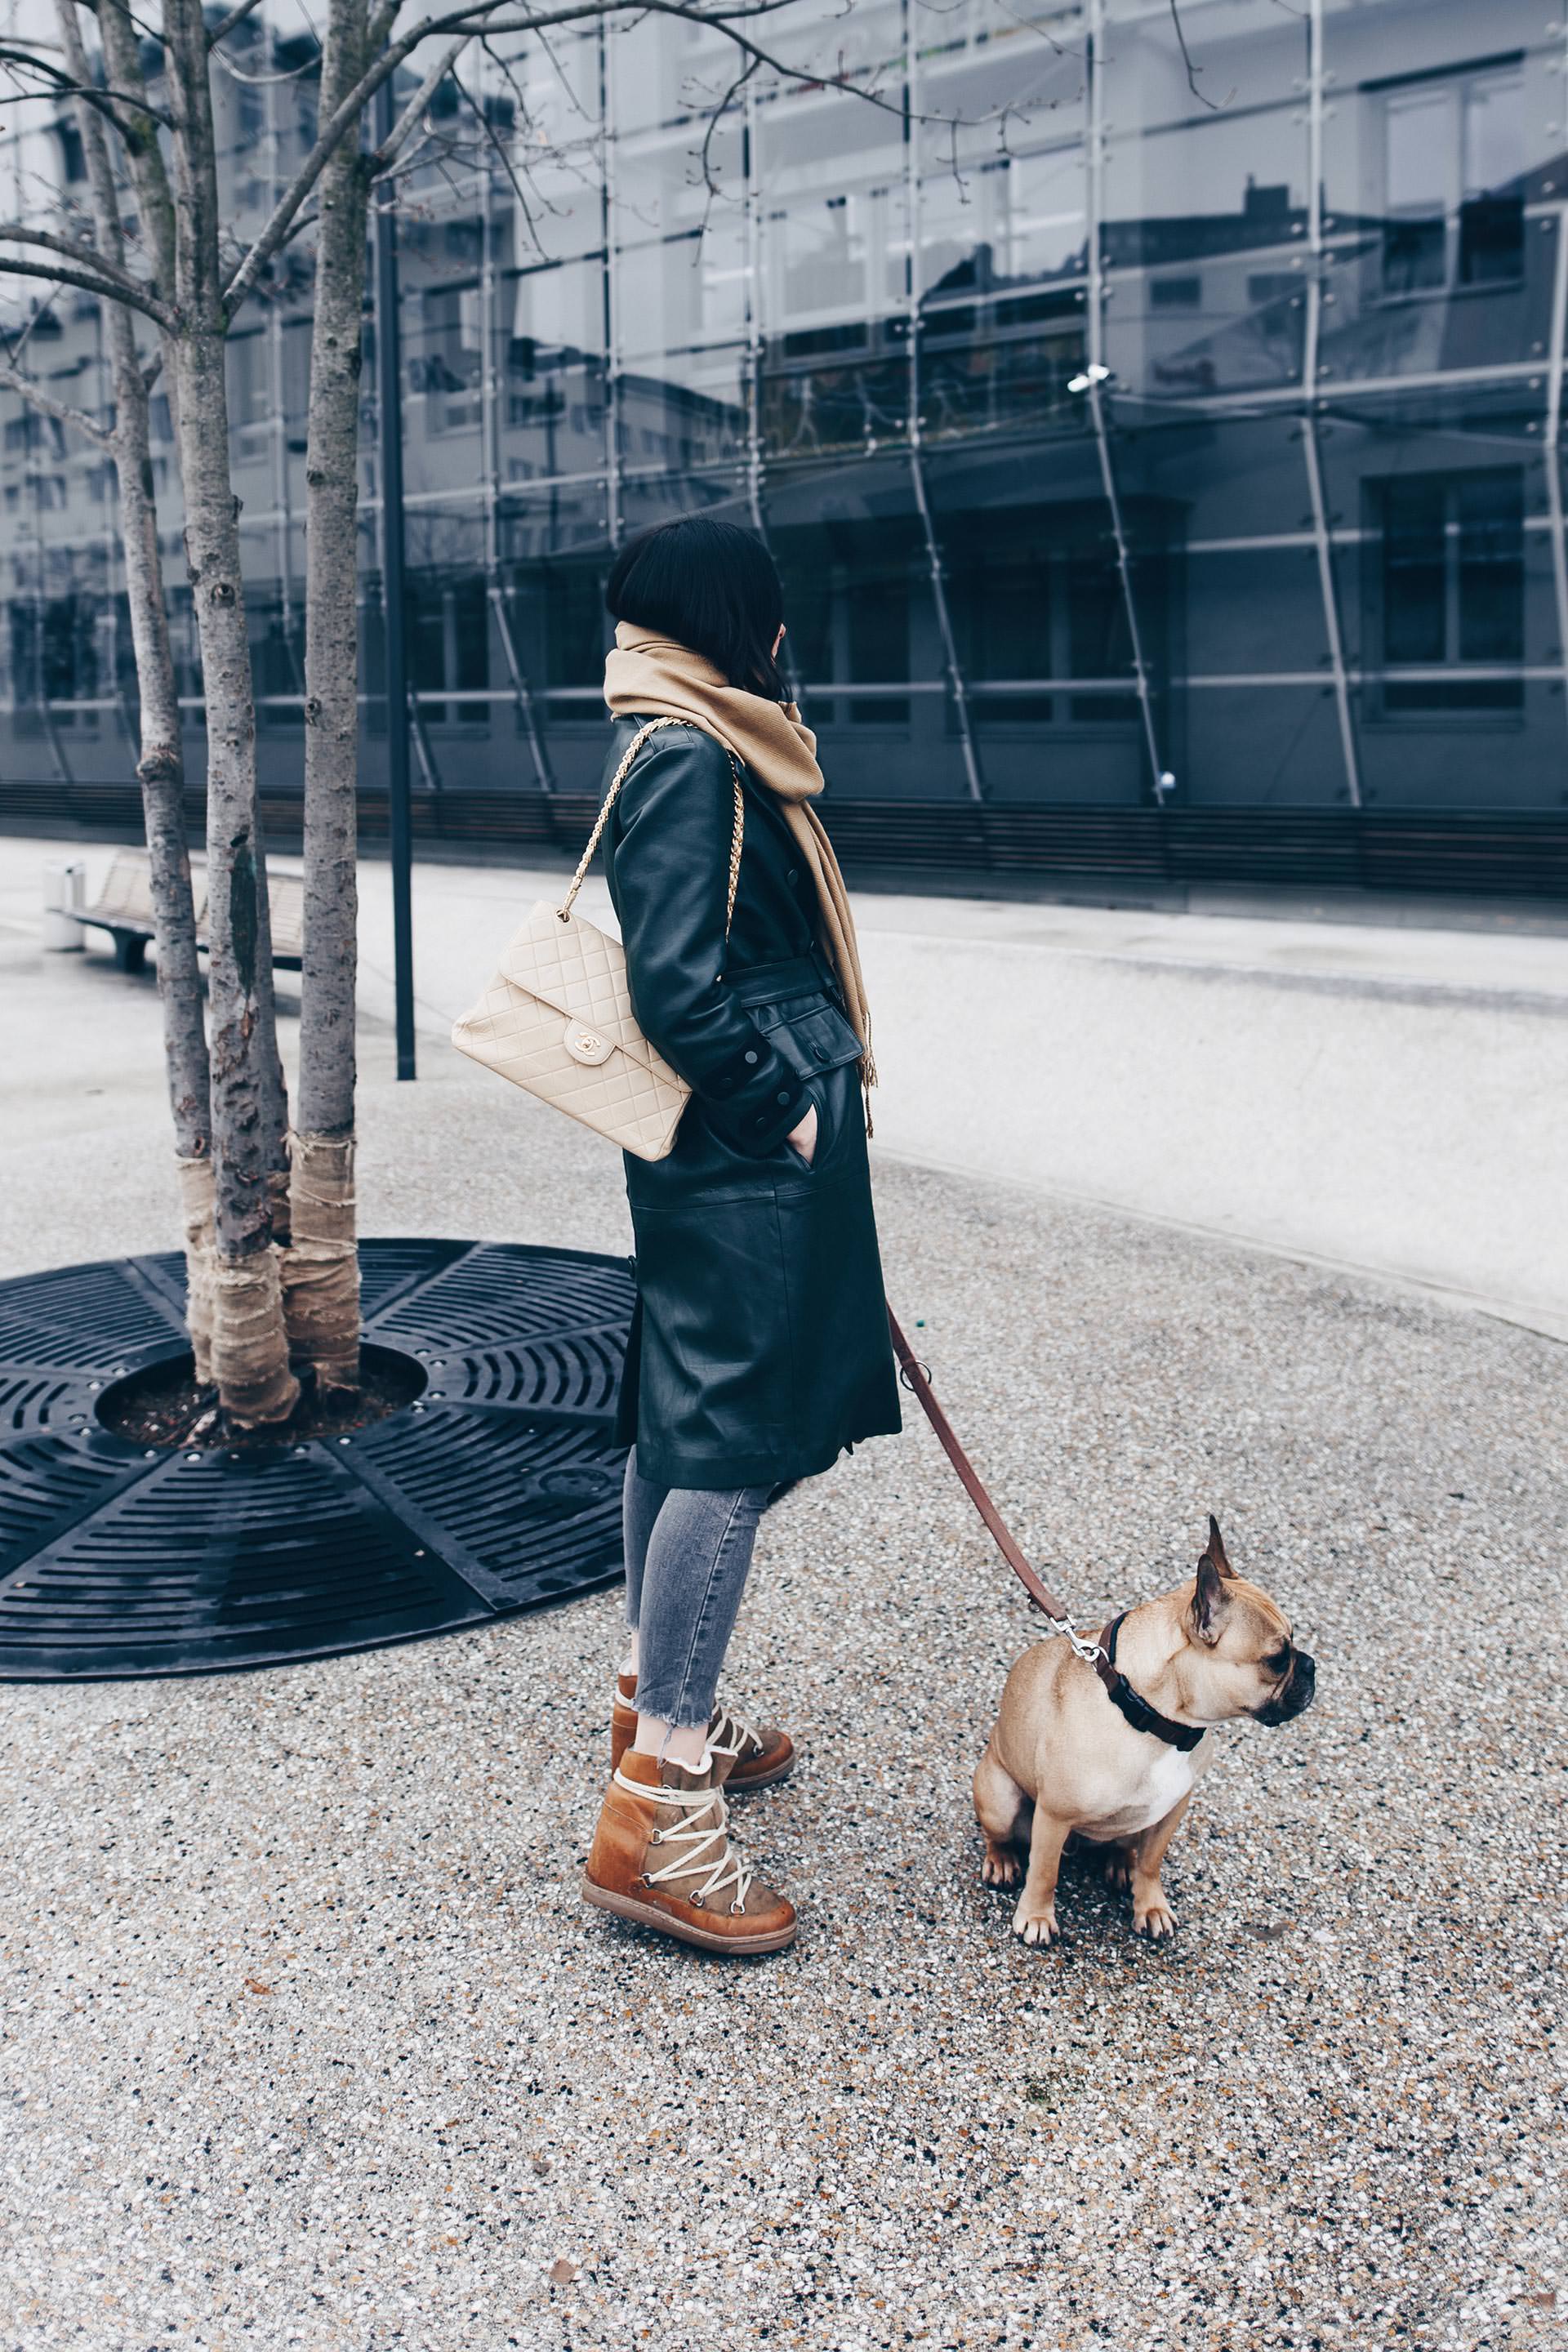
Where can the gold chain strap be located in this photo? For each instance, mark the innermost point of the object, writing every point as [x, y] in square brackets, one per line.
[618, 779]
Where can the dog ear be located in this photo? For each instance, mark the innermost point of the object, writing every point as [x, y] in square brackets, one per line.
[1210, 1605]
[1215, 1549]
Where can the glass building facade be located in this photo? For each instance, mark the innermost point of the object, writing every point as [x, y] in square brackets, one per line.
[1129, 424]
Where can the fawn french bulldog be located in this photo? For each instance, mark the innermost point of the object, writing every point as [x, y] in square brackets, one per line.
[1114, 1757]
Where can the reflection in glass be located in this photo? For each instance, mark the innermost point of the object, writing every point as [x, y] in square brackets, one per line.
[1450, 580]
[863, 308]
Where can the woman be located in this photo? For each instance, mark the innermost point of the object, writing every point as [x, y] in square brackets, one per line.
[759, 1347]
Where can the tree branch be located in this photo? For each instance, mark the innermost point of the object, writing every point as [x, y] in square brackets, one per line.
[1215, 105]
[477, 18]
[61, 410]
[57, 275]
[387, 153]
[149, 175]
[221, 31]
[61, 85]
[127, 288]
[487, 131]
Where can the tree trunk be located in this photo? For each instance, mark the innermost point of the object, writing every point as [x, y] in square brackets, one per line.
[250, 1348]
[160, 769]
[320, 1270]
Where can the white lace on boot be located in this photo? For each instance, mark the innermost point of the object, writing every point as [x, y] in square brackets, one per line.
[721, 1871]
[731, 1735]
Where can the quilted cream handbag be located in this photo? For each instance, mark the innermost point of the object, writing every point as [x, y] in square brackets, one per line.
[557, 1018]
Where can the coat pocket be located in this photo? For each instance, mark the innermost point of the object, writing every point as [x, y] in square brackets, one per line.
[810, 1032]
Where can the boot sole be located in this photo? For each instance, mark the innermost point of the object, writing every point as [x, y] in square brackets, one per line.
[648, 1914]
[769, 1780]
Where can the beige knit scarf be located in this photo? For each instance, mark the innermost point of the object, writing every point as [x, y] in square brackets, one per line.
[652, 675]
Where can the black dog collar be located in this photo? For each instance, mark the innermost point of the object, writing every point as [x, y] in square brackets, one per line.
[1138, 1711]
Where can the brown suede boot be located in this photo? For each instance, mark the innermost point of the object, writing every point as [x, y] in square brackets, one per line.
[661, 1856]
[743, 1757]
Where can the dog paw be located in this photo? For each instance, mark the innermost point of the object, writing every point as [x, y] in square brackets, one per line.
[1036, 1926]
[1153, 1918]
[1116, 1868]
[1001, 1866]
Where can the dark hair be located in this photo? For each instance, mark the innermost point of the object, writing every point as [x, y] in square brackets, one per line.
[709, 585]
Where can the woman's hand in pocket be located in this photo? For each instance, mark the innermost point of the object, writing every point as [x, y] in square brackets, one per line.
[802, 1139]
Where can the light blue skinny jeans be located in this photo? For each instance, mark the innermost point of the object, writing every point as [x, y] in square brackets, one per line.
[688, 1551]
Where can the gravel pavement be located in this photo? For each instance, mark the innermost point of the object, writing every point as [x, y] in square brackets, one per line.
[309, 2042]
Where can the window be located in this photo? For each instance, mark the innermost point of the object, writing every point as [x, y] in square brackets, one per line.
[853, 605]
[1453, 198]
[1043, 599]
[249, 381]
[449, 645]
[574, 629]
[448, 364]
[877, 634]
[1449, 586]
[54, 652]
[275, 660]
[32, 431]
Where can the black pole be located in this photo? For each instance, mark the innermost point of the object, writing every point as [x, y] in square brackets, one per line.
[389, 412]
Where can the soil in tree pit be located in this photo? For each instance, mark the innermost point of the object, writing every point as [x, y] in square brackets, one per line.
[164, 1406]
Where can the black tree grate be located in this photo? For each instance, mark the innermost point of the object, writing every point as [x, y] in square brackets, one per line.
[498, 1489]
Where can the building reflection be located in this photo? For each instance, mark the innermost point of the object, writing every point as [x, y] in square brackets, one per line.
[1107, 424]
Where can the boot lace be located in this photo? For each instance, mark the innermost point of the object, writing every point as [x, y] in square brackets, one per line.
[705, 1853]
[730, 1733]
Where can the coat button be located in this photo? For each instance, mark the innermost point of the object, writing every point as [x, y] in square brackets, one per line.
[794, 874]
[784, 1096]
[750, 1057]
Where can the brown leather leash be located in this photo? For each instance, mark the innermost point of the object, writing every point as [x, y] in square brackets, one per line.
[1096, 1652]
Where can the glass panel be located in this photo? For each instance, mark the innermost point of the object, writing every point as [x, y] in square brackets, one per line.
[555, 560]
[567, 519]
[542, 102]
[857, 603]
[835, 250]
[276, 654]
[686, 289]
[837, 388]
[1205, 212]
[555, 403]
[443, 347]
[1236, 479]
[993, 220]
[1439, 130]
[447, 636]
[1490, 557]
[1445, 562]
[658, 64]
[683, 409]
[653, 498]
[1205, 206]
[1265, 746]
[1413, 524]
[997, 363]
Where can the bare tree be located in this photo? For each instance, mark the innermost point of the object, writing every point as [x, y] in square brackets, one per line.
[160, 768]
[321, 1269]
[184, 280]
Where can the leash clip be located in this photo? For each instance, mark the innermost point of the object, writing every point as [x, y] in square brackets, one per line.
[1080, 1645]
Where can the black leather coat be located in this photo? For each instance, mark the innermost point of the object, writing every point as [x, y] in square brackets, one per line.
[760, 1347]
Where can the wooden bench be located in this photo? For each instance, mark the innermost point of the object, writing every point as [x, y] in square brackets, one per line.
[123, 908]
